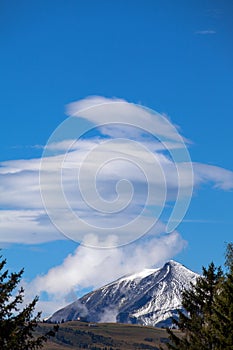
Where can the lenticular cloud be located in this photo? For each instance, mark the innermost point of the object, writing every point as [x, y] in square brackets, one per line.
[114, 180]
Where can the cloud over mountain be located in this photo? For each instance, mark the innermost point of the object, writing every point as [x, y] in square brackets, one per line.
[115, 185]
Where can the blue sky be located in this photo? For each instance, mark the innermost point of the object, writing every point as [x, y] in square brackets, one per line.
[173, 57]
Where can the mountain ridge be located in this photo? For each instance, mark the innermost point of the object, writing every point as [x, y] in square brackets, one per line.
[150, 297]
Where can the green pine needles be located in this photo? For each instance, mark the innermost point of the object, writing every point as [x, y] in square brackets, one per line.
[17, 325]
[207, 322]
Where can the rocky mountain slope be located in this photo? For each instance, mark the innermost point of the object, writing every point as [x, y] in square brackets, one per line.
[150, 297]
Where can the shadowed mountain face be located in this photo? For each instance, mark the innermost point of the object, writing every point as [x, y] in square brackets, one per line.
[150, 297]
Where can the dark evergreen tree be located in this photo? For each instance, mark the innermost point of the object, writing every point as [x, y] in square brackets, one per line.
[223, 310]
[229, 257]
[17, 326]
[195, 322]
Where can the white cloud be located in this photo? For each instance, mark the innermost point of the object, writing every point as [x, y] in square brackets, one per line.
[104, 111]
[92, 268]
[139, 160]
[205, 32]
[221, 178]
[20, 190]
[26, 226]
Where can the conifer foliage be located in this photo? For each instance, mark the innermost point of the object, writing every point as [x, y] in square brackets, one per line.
[17, 325]
[207, 320]
[223, 310]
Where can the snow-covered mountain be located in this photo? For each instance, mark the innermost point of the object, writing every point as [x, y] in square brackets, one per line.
[150, 297]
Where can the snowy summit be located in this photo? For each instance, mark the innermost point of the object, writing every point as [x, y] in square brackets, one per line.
[150, 297]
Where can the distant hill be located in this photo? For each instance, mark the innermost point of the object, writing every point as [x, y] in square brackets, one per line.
[150, 298]
[104, 336]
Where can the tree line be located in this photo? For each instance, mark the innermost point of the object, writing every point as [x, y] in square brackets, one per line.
[206, 322]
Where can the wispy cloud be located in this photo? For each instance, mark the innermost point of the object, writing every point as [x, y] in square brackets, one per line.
[27, 147]
[219, 177]
[25, 220]
[205, 32]
[215, 13]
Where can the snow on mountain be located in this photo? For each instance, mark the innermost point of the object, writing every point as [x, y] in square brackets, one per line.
[150, 297]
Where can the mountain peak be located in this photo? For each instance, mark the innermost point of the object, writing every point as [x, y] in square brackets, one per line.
[174, 263]
[150, 297]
